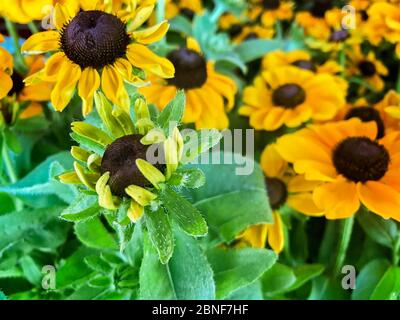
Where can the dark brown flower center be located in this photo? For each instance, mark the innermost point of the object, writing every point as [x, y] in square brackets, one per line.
[120, 160]
[320, 7]
[94, 39]
[235, 30]
[271, 4]
[277, 192]
[304, 64]
[18, 84]
[190, 69]
[289, 96]
[251, 36]
[367, 68]
[188, 13]
[360, 159]
[367, 114]
[339, 36]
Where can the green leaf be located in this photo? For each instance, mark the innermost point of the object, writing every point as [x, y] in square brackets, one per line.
[12, 141]
[305, 273]
[74, 269]
[388, 287]
[40, 189]
[31, 270]
[101, 282]
[378, 229]
[184, 213]
[254, 49]
[368, 278]
[187, 276]
[229, 202]
[173, 112]
[94, 234]
[235, 269]
[160, 232]
[84, 207]
[250, 292]
[181, 24]
[23, 225]
[134, 249]
[277, 279]
[2, 296]
[192, 178]
[97, 264]
[88, 144]
[198, 142]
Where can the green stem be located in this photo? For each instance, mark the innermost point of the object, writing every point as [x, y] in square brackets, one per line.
[279, 30]
[33, 27]
[217, 13]
[398, 82]
[342, 61]
[346, 228]
[20, 61]
[396, 249]
[11, 173]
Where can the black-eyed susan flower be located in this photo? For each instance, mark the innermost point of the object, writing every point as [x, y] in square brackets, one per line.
[35, 94]
[133, 165]
[383, 24]
[367, 67]
[284, 188]
[352, 166]
[303, 60]
[208, 93]
[96, 49]
[271, 11]
[290, 96]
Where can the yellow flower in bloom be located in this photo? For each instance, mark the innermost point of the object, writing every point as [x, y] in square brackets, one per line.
[284, 187]
[187, 8]
[6, 70]
[291, 96]
[389, 108]
[97, 49]
[271, 11]
[303, 60]
[383, 23]
[368, 67]
[205, 89]
[35, 94]
[352, 166]
[119, 169]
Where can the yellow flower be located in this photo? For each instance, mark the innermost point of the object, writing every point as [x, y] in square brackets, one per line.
[303, 60]
[352, 167]
[118, 168]
[284, 187]
[97, 49]
[6, 70]
[205, 89]
[291, 96]
[389, 109]
[368, 67]
[187, 8]
[250, 32]
[383, 23]
[271, 11]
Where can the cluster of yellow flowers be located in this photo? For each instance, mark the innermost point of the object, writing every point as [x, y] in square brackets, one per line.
[331, 103]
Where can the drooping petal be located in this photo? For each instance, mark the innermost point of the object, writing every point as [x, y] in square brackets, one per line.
[152, 34]
[41, 42]
[88, 85]
[276, 237]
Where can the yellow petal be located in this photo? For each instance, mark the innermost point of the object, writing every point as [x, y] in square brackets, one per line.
[152, 34]
[338, 200]
[150, 172]
[113, 87]
[276, 238]
[191, 43]
[88, 85]
[272, 162]
[65, 87]
[143, 58]
[135, 211]
[142, 14]
[41, 42]
[140, 195]
[5, 84]
[103, 190]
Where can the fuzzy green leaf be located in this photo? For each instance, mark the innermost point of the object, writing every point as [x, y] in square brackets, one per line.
[94, 234]
[84, 207]
[235, 269]
[173, 112]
